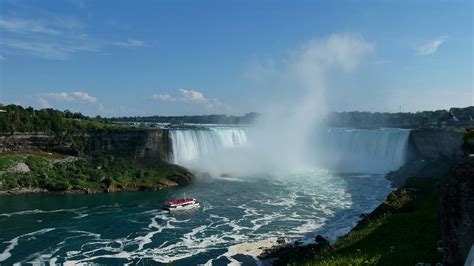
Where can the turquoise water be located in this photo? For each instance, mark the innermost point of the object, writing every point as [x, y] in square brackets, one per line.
[129, 227]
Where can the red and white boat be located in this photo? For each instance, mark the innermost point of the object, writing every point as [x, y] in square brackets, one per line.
[181, 204]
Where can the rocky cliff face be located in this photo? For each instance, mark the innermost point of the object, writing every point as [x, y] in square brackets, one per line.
[457, 212]
[156, 145]
[32, 141]
[140, 144]
[430, 144]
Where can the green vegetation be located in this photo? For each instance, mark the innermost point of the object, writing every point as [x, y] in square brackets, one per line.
[73, 133]
[404, 230]
[108, 153]
[454, 117]
[88, 173]
[193, 119]
[7, 162]
[19, 119]
[468, 145]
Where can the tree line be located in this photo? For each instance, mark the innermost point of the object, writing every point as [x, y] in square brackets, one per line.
[16, 118]
[457, 117]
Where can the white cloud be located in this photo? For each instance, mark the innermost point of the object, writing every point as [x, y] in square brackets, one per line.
[61, 96]
[19, 25]
[84, 97]
[78, 100]
[131, 43]
[49, 50]
[55, 38]
[163, 97]
[193, 96]
[430, 47]
[43, 102]
[77, 96]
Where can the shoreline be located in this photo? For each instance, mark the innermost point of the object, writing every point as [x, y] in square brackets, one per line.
[284, 250]
[163, 184]
[26, 191]
[408, 199]
[33, 172]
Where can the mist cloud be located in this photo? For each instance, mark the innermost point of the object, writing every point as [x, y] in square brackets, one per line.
[282, 139]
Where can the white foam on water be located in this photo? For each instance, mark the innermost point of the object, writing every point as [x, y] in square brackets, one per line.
[77, 211]
[252, 249]
[157, 228]
[14, 242]
[232, 179]
[310, 226]
[291, 209]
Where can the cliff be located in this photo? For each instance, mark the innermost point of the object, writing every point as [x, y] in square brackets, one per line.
[32, 141]
[432, 143]
[141, 144]
[457, 212]
[106, 159]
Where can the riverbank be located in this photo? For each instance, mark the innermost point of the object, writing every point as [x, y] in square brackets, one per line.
[36, 172]
[402, 230]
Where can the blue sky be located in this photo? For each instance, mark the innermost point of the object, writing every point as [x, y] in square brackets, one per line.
[117, 58]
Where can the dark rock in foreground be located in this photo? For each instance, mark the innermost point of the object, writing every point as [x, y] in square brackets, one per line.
[457, 212]
[284, 252]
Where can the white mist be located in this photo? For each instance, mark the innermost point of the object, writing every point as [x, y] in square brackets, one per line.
[282, 140]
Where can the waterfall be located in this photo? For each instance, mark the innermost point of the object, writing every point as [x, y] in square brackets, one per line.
[191, 144]
[344, 150]
[363, 150]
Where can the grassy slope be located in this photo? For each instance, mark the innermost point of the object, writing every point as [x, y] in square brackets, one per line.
[402, 231]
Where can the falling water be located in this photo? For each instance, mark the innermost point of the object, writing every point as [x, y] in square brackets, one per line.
[343, 150]
[363, 150]
[191, 144]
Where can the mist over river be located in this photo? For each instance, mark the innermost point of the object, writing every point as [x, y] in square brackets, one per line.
[239, 212]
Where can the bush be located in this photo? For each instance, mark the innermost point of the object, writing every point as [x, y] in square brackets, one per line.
[57, 184]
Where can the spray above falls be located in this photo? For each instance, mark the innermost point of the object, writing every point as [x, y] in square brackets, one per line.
[282, 139]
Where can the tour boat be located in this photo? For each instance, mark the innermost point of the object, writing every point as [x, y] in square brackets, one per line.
[181, 204]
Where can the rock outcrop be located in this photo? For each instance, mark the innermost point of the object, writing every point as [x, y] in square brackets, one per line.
[457, 212]
[432, 143]
[285, 252]
[421, 168]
